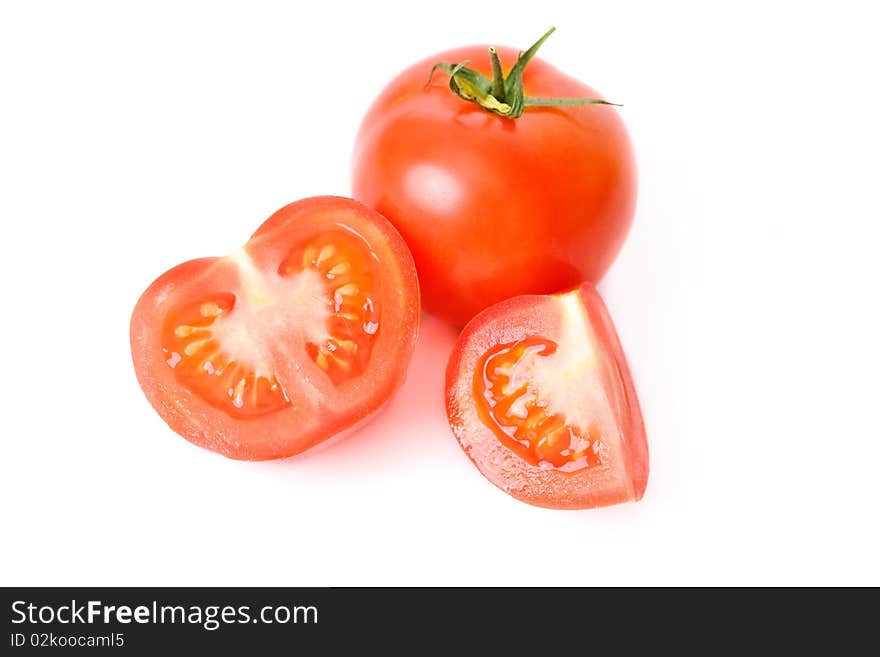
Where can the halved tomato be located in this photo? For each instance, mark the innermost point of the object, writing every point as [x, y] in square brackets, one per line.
[539, 395]
[304, 332]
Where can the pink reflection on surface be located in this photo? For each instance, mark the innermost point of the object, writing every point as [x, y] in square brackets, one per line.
[412, 426]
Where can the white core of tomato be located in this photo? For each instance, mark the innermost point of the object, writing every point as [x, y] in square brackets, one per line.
[569, 381]
[269, 307]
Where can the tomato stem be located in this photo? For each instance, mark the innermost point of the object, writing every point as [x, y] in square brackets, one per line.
[503, 95]
[497, 75]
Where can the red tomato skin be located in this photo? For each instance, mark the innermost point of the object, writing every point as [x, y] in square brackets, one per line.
[307, 423]
[494, 207]
[512, 320]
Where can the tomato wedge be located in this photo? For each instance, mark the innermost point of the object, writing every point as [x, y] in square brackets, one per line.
[304, 332]
[539, 395]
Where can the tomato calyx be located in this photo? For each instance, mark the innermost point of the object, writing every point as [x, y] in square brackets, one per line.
[503, 95]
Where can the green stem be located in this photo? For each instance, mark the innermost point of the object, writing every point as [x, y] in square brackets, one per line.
[504, 95]
[497, 75]
[525, 57]
[537, 101]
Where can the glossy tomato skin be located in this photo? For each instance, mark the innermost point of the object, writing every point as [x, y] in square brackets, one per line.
[624, 474]
[494, 207]
[318, 409]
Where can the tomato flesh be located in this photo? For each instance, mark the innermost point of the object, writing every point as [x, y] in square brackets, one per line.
[200, 363]
[540, 398]
[341, 259]
[511, 406]
[330, 278]
[300, 334]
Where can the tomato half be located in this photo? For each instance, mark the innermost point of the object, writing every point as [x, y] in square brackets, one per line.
[494, 207]
[304, 332]
[540, 397]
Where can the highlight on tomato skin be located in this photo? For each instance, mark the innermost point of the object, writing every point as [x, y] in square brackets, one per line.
[301, 334]
[540, 398]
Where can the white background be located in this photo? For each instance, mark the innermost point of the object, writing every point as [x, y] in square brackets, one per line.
[137, 135]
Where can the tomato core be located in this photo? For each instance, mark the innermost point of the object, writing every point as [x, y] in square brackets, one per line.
[217, 345]
[509, 403]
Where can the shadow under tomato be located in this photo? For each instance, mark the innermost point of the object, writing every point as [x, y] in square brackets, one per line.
[397, 433]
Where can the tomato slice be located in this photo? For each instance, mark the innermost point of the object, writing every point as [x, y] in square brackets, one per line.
[304, 332]
[539, 395]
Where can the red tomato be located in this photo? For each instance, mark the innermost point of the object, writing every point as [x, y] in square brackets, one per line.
[299, 335]
[491, 206]
[539, 395]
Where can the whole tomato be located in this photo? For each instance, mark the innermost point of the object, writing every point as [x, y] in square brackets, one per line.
[500, 185]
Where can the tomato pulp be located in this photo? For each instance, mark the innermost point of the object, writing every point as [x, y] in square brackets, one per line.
[540, 398]
[493, 207]
[304, 332]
